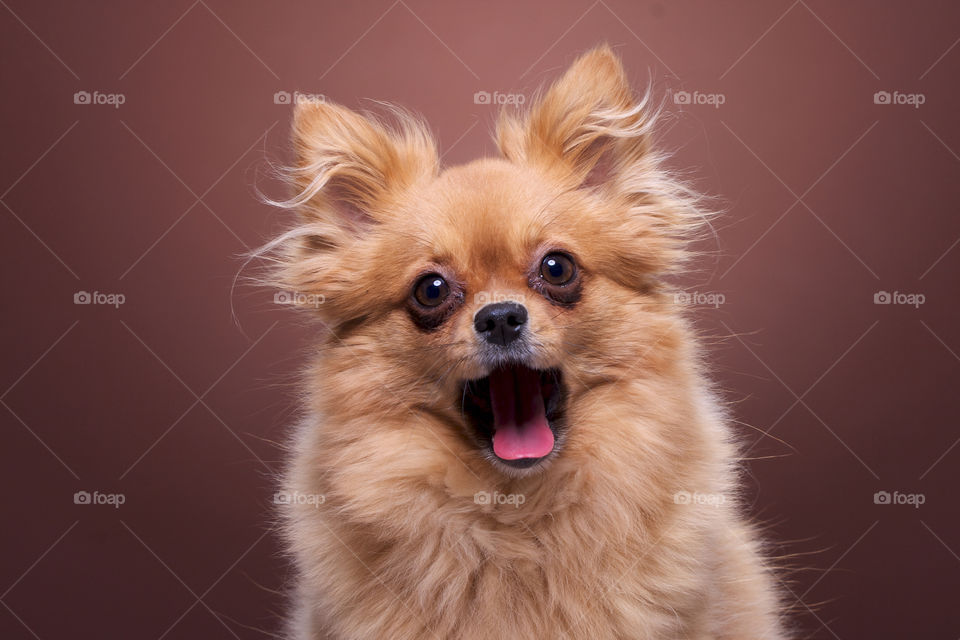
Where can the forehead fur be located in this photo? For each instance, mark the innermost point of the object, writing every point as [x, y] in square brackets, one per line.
[489, 211]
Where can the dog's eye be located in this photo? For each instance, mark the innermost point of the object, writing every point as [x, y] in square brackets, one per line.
[431, 290]
[557, 269]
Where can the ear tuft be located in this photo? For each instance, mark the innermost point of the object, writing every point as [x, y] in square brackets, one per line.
[351, 167]
[351, 170]
[587, 123]
[591, 132]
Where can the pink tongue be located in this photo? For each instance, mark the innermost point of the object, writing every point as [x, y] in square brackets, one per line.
[519, 417]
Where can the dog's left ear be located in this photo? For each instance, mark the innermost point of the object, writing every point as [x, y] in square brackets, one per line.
[591, 133]
[588, 124]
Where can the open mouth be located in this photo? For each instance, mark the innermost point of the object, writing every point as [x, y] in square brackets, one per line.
[516, 413]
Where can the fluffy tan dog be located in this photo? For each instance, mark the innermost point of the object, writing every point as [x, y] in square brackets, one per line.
[508, 433]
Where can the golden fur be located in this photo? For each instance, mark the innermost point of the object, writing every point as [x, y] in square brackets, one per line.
[600, 547]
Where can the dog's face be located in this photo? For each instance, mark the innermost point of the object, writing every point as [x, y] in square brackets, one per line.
[495, 297]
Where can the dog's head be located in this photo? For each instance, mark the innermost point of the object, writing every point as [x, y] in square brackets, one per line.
[505, 305]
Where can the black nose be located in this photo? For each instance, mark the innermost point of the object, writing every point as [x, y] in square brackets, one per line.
[500, 323]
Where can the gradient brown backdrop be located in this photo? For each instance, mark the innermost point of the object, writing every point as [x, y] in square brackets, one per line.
[175, 403]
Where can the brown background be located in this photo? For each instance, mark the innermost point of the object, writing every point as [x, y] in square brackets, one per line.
[175, 403]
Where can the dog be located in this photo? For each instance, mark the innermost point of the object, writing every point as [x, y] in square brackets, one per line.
[508, 428]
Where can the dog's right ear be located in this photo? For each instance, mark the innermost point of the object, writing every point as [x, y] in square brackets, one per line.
[350, 172]
[351, 168]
